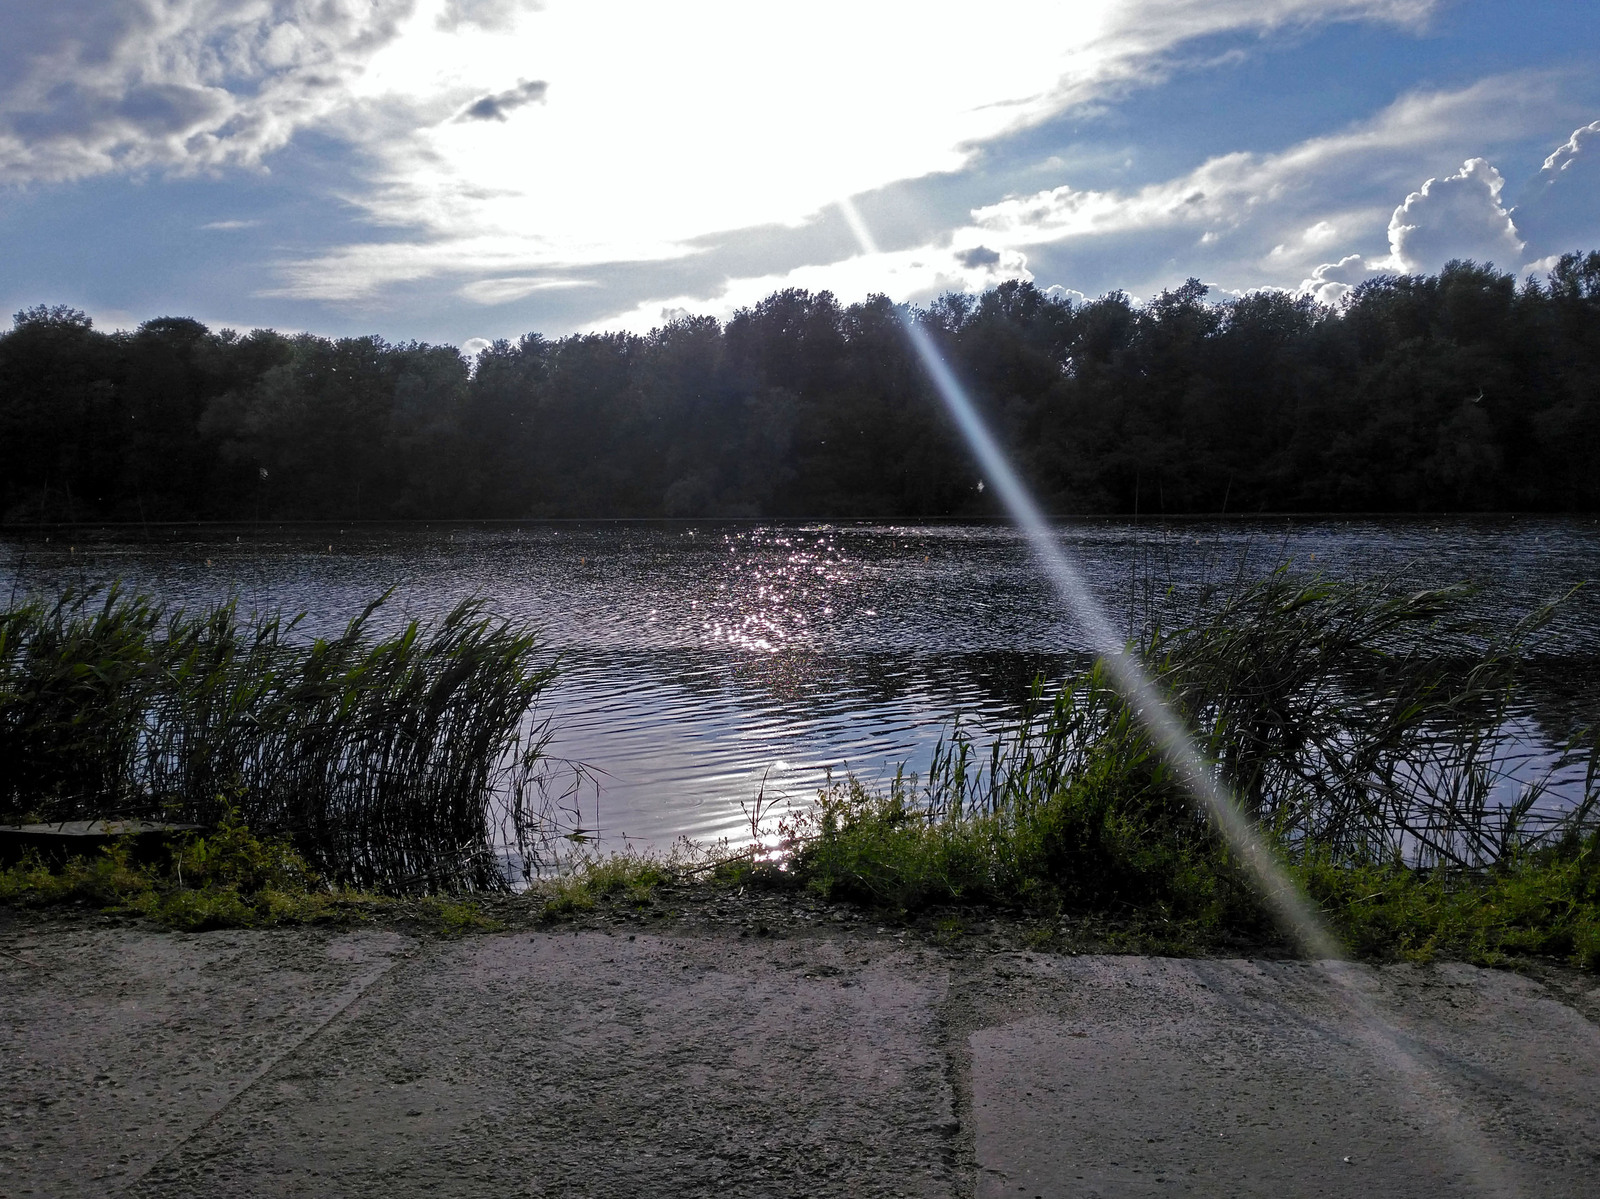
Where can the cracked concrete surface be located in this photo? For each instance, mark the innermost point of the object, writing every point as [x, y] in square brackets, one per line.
[679, 1062]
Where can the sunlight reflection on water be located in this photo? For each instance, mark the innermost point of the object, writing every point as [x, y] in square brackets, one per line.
[700, 658]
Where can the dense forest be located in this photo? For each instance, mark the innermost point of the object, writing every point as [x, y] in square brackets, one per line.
[1461, 391]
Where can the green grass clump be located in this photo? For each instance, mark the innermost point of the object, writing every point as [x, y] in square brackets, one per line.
[1543, 904]
[1110, 841]
[230, 878]
[455, 917]
[627, 878]
[1095, 850]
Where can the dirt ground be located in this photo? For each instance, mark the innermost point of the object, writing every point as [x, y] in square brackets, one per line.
[737, 1051]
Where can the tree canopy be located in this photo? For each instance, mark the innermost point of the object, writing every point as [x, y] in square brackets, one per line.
[1460, 391]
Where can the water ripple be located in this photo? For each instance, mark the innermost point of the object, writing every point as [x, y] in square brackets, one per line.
[700, 659]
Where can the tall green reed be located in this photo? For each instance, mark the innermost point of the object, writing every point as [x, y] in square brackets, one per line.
[1356, 724]
[405, 761]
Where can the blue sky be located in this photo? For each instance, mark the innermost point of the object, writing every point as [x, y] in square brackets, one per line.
[454, 170]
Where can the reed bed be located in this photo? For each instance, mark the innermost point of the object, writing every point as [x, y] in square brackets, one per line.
[407, 761]
[1362, 728]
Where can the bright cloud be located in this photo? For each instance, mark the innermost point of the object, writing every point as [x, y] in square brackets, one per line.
[903, 275]
[660, 124]
[1332, 281]
[1562, 211]
[487, 261]
[513, 287]
[1265, 219]
[88, 87]
[1459, 216]
[1300, 200]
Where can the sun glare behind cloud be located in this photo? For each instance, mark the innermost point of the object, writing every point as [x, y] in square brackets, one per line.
[641, 128]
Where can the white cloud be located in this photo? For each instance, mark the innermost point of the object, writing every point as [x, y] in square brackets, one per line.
[513, 287]
[1272, 219]
[360, 272]
[88, 87]
[1562, 210]
[1564, 158]
[1462, 216]
[662, 124]
[620, 131]
[902, 275]
[1283, 209]
[1333, 281]
[495, 15]
[1459, 216]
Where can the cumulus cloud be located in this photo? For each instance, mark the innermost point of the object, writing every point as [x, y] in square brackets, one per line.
[1333, 281]
[1070, 294]
[1273, 218]
[1459, 216]
[1462, 216]
[495, 106]
[1561, 211]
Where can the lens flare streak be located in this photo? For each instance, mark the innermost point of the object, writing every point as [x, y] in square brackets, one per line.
[1288, 905]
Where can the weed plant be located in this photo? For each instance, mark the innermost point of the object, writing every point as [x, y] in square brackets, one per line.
[628, 877]
[394, 763]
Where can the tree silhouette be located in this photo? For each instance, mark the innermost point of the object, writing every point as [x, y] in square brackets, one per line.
[1457, 391]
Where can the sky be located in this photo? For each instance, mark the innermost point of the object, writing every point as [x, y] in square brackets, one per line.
[458, 171]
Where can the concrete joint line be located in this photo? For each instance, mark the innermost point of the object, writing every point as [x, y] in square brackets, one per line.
[351, 994]
[17, 957]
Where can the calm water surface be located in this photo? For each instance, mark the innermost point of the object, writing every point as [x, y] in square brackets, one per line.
[700, 659]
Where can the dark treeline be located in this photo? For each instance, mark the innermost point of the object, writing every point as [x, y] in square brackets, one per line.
[1461, 391]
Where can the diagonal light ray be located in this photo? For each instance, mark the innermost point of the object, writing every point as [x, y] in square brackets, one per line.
[1127, 675]
[1288, 904]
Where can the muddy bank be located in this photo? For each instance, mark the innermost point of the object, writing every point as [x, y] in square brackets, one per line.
[728, 1050]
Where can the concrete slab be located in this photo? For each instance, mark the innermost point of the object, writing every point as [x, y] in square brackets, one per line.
[822, 1062]
[120, 1043]
[597, 1064]
[1139, 1076]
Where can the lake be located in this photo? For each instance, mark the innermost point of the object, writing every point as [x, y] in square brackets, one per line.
[705, 660]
